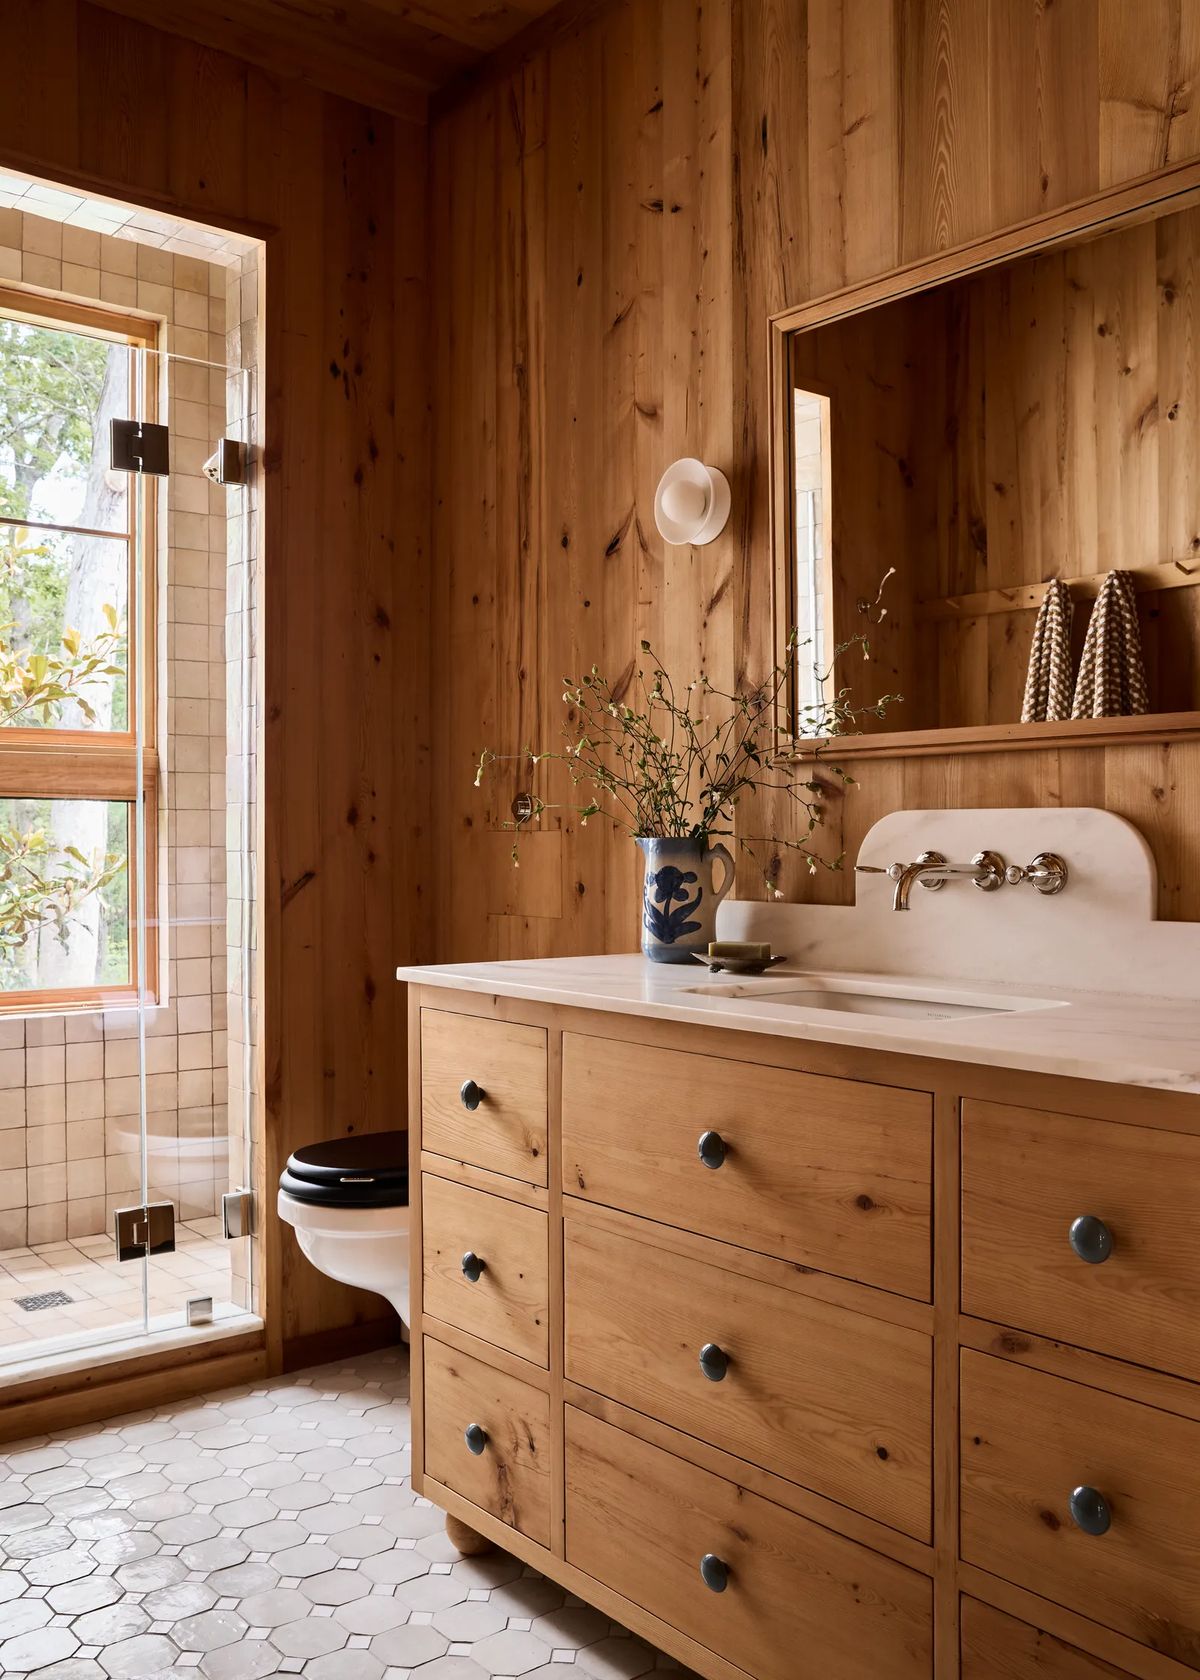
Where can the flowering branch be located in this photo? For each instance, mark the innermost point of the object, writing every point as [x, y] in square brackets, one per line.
[661, 768]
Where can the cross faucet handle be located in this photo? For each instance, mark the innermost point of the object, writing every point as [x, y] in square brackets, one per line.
[1047, 872]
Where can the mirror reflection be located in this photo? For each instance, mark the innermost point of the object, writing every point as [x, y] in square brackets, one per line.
[1020, 450]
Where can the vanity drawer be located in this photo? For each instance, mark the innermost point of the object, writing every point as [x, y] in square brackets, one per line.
[815, 1393]
[831, 1173]
[506, 1130]
[1027, 1175]
[505, 1468]
[1028, 1440]
[998, 1647]
[640, 1520]
[507, 1302]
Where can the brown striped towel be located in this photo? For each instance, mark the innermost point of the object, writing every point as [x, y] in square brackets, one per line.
[1112, 678]
[1048, 683]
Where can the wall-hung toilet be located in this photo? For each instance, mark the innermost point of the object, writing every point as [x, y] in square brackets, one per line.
[347, 1200]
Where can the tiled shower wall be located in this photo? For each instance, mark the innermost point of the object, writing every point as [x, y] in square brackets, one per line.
[69, 1145]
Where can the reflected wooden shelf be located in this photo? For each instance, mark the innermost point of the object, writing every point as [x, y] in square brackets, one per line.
[1157, 728]
[1172, 574]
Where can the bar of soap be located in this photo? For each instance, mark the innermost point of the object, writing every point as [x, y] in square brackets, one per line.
[732, 950]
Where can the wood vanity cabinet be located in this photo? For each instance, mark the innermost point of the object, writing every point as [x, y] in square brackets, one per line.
[811, 1362]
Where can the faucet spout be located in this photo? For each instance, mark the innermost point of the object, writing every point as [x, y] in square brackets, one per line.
[986, 870]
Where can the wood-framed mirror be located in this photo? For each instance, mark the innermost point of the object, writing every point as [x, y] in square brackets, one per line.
[1022, 409]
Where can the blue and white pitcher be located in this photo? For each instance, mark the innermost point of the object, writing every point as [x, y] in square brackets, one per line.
[679, 902]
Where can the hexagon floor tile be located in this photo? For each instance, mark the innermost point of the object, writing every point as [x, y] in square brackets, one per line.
[270, 1531]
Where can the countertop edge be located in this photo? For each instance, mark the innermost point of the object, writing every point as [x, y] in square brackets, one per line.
[851, 1034]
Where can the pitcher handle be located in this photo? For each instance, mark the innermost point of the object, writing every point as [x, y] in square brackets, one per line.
[726, 857]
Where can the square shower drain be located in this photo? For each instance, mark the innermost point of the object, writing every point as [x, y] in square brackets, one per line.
[36, 1303]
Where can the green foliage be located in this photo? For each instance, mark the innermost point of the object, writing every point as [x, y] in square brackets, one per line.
[40, 888]
[34, 687]
[660, 766]
[50, 385]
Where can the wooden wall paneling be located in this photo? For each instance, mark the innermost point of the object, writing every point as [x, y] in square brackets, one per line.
[123, 136]
[918, 124]
[226, 139]
[1148, 62]
[945, 185]
[291, 405]
[466, 253]
[1178, 276]
[410, 612]
[1044, 102]
[697, 607]
[854, 152]
[771, 199]
[636, 223]
[43, 39]
[578, 484]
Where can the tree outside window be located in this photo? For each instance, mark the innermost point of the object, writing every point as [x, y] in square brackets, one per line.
[71, 530]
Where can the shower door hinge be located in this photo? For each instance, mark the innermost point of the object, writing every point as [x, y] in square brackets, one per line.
[237, 1214]
[146, 1230]
[226, 464]
[140, 447]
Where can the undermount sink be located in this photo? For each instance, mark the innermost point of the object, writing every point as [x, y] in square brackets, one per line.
[855, 997]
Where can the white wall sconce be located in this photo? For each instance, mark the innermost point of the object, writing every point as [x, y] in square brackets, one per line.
[691, 503]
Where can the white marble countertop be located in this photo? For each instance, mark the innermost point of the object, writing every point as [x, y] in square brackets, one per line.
[1127, 1040]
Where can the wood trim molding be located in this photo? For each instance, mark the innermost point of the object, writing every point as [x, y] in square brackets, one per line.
[149, 1379]
[1161, 727]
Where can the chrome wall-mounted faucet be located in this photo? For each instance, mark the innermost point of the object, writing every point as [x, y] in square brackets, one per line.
[1047, 872]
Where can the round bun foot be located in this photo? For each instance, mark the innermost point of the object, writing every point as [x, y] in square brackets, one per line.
[465, 1539]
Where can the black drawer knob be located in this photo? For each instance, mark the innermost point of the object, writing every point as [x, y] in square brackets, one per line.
[714, 1572]
[711, 1149]
[475, 1435]
[1090, 1511]
[1091, 1239]
[714, 1362]
[473, 1267]
[470, 1094]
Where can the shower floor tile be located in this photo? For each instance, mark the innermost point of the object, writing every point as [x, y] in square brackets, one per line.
[288, 1541]
[103, 1294]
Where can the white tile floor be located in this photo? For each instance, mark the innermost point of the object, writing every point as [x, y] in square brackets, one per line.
[102, 1293]
[269, 1531]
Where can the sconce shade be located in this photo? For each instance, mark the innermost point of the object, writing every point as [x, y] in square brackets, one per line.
[692, 502]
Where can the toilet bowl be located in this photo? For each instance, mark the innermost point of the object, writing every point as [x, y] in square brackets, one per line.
[347, 1201]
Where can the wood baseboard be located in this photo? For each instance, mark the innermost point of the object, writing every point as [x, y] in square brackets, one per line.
[64, 1401]
[321, 1347]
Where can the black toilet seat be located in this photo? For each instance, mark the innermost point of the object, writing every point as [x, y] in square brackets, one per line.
[369, 1170]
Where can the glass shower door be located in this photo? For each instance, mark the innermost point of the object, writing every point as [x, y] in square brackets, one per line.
[195, 1006]
[127, 829]
[68, 550]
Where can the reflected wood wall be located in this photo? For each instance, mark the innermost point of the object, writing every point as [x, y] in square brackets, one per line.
[339, 190]
[613, 222]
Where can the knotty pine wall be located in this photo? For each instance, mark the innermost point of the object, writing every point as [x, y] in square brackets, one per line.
[613, 222]
[338, 191]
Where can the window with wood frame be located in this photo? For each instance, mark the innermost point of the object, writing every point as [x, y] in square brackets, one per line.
[74, 536]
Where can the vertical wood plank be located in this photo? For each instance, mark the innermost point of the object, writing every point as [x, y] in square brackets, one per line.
[946, 195]
[1044, 97]
[1148, 67]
